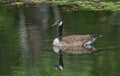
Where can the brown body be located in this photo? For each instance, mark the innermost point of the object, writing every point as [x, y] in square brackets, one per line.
[73, 40]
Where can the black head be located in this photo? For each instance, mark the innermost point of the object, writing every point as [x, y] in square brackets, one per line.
[58, 23]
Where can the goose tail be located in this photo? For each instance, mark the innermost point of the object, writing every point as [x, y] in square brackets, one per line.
[97, 36]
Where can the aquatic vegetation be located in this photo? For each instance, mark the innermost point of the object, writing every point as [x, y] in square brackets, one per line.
[17, 3]
[75, 5]
[91, 5]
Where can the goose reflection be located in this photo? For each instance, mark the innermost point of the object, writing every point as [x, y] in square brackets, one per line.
[74, 50]
[60, 66]
[70, 50]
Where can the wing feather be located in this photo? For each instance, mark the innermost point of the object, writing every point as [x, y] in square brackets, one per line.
[76, 39]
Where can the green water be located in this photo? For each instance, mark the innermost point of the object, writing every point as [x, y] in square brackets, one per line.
[26, 42]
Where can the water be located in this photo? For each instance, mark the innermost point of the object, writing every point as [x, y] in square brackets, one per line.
[26, 42]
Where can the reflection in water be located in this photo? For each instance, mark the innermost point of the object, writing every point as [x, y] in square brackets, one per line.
[23, 32]
[60, 66]
[70, 50]
[75, 50]
[33, 26]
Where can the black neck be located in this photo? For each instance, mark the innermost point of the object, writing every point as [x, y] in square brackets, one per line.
[60, 32]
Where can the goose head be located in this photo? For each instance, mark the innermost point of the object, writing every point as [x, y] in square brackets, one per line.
[59, 24]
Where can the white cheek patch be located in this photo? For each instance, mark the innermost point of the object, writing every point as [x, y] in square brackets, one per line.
[60, 23]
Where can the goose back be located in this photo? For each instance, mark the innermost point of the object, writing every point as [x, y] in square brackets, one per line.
[75, 40]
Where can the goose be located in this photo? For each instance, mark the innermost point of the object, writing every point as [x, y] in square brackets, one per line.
[72, 40]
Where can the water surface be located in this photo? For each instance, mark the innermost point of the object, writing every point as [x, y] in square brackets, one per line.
[26, 42]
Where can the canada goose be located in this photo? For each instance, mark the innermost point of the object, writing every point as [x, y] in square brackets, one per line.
[72, 40]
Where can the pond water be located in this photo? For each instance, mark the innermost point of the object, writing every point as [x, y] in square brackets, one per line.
[26, 39]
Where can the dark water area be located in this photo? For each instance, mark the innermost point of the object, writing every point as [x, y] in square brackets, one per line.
[26, 39]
